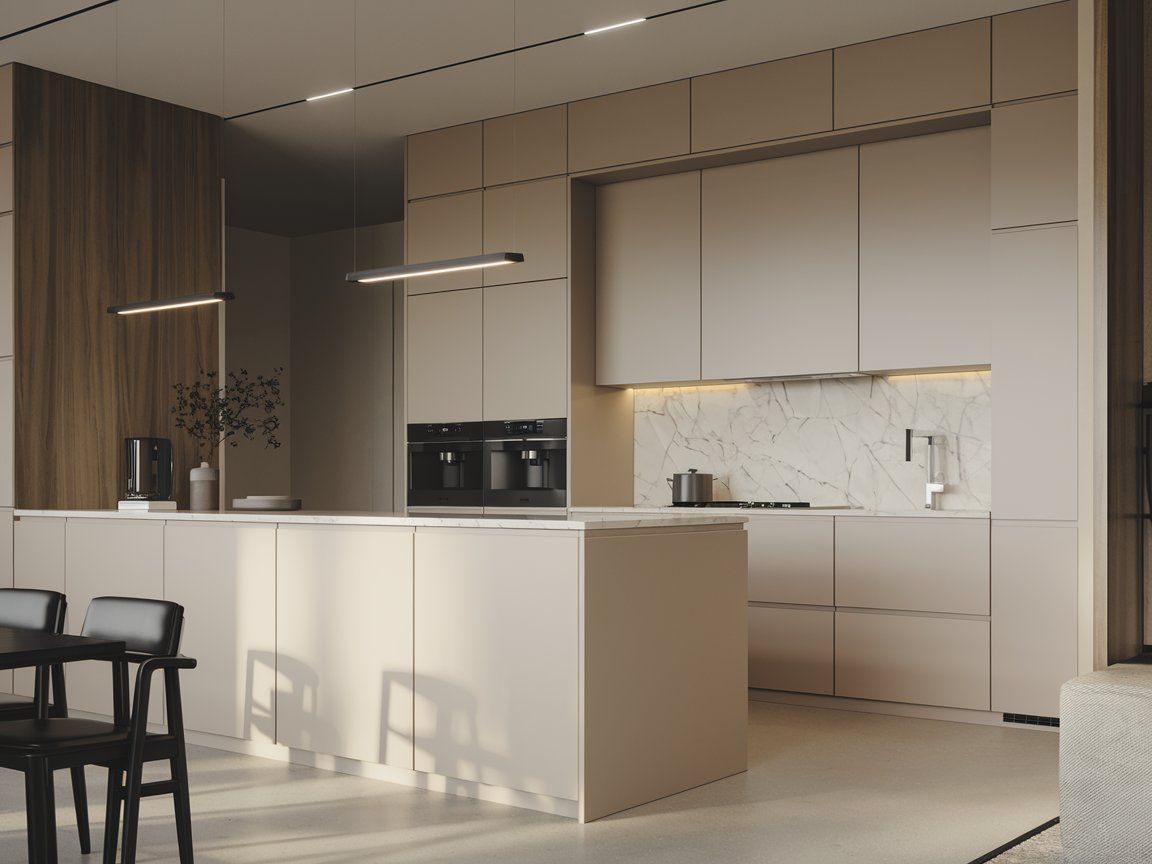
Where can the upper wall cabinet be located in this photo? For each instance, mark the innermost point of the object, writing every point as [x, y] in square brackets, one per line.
[944, 69]
[779, 267]
[650, 123]
[648, 280]
[530, 218]
[763, 102]
[445, 355]
[1034, 52]
[924, 252]
[446, 160]
[526, 146]
[448, 227]
[1034, 163]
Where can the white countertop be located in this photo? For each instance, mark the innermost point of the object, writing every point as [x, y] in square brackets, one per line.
[815, 510]
[563, 521]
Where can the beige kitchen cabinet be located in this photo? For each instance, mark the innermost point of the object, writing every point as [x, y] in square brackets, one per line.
[7, 284]
[7, 433]
[762, 102]
[648, 280]
[112, 557]
[497, 659]
[1034, 52]
[633, 126]
[1034, 162]
[224, 575]
[344, 656]
[526, 350]
[445, 160]
[38, 562]
[441, 228]
[526, 146]
[6, 578]
[445, 355]
[779, 267]
[911, 658]
[7, 190]
[926, 72]
[530, 218]
[918, 564]
[791, 559]
[791, 649]
[1034, 615]
[924, 250]
[5, 103]
[1034, 320]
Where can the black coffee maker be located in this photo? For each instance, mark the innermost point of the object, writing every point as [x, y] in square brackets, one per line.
[147, 469]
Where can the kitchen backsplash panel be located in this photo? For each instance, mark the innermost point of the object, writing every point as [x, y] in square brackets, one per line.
[829, 441]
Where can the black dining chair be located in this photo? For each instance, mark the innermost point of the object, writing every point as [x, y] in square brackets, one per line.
[151, 632]
[44, 611]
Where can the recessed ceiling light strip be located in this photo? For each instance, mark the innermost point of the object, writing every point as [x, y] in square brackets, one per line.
[605, 29]
[333, 93]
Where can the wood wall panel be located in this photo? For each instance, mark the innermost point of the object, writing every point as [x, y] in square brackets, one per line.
[117, 199]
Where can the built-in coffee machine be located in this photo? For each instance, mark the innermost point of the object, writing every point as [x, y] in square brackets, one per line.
[445, 465]
[526, 463]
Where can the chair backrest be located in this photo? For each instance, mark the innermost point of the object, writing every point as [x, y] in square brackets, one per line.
[31, 609]
[144, 626]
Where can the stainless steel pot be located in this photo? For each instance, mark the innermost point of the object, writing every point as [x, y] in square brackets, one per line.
[691, 487]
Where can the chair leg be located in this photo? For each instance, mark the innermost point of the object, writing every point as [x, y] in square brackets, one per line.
[135, 779]
[80, 799]
[34, 808]
[180, 802]
[112, 815]
[49, 814]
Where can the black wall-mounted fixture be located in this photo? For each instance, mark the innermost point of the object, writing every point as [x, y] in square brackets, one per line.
[171, 303]
[432, 268]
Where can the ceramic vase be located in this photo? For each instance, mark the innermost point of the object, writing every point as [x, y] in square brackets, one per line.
[204, 486]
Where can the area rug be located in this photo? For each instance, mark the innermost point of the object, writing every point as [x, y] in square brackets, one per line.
[1041, 845]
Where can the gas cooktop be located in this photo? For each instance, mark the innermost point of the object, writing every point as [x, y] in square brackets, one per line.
[749, 505]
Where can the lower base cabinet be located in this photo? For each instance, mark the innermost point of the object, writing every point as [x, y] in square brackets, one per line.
[791, 649]
[37, 562]
[917, 659]
[6, 580]
[224, 575]
[344, 659]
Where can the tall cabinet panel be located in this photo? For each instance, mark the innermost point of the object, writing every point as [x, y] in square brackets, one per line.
[445, 356]
[442, 228]
[779, 291]
[530, 218]
[924, 270]
[1034, 163]
[1034, 357]
[648, 280]
[6, 579]
[525, 350]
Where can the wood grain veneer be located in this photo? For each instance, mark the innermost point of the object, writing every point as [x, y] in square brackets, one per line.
[117, 199]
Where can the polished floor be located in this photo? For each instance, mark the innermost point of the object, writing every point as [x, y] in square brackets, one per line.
[824, 787]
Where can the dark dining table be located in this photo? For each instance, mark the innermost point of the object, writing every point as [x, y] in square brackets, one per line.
[23, 648]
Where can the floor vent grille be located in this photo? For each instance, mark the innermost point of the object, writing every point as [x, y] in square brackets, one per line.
[1032, 720]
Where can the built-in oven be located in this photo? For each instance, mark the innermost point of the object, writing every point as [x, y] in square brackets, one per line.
[445, 465]
[526, 463]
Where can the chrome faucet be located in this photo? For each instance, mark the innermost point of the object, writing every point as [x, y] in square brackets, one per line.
[935, 481]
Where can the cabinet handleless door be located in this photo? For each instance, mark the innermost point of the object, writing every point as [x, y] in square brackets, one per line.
[6, 578]
[526, 350]
[633, 126]
[791, 649]
[38, 562]
[445, 356]
[1034, 51]
[927, 72]
[779, 267]
[344, 655]
[762, 102]
[530, 218]
[7, 180]
[790, 559]
[445, 160]
[7, 284]
[1034, 163]
[648, 280]
[924, 252]
[7, 433]
[111, 557]
[443, 228]
[497, 658]
[526, 146]
[224, 575]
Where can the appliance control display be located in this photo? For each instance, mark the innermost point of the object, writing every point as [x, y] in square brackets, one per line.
[523, 427]
[444, 428]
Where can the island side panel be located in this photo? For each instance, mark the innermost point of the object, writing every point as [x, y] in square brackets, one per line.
[665, 695]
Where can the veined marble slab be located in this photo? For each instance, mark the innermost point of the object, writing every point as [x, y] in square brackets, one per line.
[838, 511]
[560, 522]
[837, 441]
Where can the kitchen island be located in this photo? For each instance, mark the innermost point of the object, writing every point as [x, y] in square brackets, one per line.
[574, 665]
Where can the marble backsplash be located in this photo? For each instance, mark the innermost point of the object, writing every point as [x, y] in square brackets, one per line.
[828, 441]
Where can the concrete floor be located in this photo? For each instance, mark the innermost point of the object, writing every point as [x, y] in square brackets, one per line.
[824, 786]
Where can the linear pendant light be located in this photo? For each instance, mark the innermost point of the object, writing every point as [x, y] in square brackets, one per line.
[171, 303]
[432, 268]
